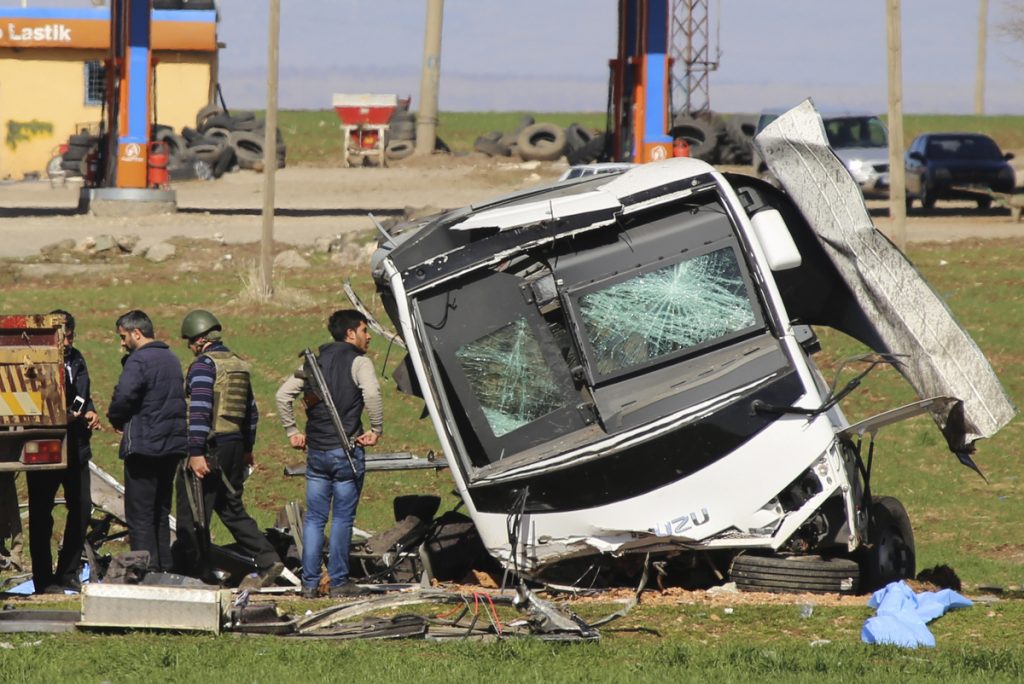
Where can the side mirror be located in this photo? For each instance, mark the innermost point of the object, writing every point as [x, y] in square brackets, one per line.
[916, 156]
[771, 231]
[1008, 156]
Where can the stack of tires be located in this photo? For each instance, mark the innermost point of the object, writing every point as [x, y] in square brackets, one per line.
[73, 160]
[532, 141]
[401, 135]
[717, 140]
[219, 143]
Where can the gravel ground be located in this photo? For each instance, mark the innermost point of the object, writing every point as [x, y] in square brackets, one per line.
[315, 202]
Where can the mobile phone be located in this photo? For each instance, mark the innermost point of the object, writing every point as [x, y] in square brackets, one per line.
[77, 405]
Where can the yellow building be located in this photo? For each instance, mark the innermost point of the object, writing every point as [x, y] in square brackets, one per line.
[52, 64]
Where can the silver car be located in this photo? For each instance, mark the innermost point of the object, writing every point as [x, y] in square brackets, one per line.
[859, 139]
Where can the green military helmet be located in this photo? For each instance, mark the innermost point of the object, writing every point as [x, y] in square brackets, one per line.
[197, 323]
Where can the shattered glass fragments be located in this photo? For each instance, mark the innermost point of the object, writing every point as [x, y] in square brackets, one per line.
[661, 312]
[509, 377]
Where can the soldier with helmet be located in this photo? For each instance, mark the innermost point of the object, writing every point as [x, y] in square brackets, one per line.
[222, 418]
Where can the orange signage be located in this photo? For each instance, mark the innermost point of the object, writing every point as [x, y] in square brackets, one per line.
[131, 167]
[655, 152]
[93, 33]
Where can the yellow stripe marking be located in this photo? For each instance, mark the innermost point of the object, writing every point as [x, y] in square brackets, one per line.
[21, 404]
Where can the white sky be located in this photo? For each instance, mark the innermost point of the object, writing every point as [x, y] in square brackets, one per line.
[552, 55]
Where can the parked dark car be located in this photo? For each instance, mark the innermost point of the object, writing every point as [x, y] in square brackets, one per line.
[952, 165]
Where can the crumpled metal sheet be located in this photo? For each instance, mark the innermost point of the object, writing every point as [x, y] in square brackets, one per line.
[940, 358]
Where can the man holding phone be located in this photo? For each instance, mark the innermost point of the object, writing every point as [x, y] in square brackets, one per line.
[43, 484]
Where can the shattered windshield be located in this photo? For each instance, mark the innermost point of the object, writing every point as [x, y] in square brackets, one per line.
[658, 313]
[509, 377]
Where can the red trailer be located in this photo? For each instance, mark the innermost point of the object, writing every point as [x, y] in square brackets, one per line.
[364, 125]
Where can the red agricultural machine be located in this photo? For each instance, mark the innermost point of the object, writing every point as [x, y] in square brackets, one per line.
[364, 126]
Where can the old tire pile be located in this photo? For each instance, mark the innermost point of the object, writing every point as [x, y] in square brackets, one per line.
[225, 140]
[219, 143]
[737, 143]
[795, 574]
[533, 141]
[401, 135]
[73, 160]
[715, 139]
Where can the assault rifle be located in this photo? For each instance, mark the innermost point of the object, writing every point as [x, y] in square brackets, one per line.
[197, 507]
[323, 393]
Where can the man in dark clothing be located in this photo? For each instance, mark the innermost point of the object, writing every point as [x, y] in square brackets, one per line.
[331, 484]
[222, 418]
[148, 409]
[43, 484]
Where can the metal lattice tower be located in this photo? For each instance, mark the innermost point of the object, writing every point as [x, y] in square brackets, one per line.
[690, 50]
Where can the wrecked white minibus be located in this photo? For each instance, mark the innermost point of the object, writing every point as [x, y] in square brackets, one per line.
[622, 364]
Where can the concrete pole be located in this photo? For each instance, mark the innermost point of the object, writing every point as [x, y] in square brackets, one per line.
[430, 80]
[979, 75]
[270, 155]
[897, 175]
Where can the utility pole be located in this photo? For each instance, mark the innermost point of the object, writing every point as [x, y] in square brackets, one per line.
[897, 176]
[430, 80]
[270, 155]
[979, 74]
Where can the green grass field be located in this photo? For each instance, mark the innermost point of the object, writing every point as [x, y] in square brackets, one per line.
[659, 644]
[313, 137]
[958, 519]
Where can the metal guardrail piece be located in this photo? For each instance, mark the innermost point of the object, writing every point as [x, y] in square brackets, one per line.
[399, 460]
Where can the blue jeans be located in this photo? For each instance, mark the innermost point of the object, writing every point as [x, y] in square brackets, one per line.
[329, 477]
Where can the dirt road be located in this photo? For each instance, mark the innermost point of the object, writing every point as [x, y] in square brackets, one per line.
[315, 202]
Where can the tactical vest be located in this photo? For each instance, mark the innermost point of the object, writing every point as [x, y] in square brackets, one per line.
[230, 392]
[335, 359]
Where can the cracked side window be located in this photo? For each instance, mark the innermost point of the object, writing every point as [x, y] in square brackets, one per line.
[509, 377]
[661, 312]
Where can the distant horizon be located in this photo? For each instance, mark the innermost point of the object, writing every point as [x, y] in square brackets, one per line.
[547, 55]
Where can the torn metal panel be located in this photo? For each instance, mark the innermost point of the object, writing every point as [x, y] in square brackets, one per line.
[871, 425]
[938, 357]
[556, 208]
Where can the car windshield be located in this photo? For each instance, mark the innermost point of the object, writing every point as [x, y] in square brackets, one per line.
[662, 312]
[856, 131]
[962, 147]
[510, 377]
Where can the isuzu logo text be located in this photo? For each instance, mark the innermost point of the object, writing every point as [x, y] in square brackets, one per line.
[681, 524]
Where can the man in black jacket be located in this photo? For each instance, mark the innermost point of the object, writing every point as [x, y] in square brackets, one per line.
[148, 409]
[43, 484]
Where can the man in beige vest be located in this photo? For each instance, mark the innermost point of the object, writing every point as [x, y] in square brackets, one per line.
[222, 419]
